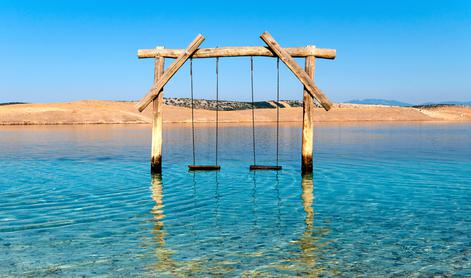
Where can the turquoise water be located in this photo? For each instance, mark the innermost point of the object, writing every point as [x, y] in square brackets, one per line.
[384, 201]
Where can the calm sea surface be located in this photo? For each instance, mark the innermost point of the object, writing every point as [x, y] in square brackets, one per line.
[384, 201]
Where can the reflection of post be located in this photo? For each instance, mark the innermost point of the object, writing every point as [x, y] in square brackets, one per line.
[308, 199]
[306, 260]
[157, 210]
[163, 254]
[165, 265]
[308, 243]
[312, 246]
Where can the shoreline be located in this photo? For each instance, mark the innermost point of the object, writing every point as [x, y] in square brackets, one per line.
[93, 112]
[244, 123]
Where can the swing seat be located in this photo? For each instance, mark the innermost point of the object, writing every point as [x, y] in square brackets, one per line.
[265, 167]
[204, 167]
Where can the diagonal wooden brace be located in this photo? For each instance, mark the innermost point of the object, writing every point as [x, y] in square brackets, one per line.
[172, 69]
[311, 88]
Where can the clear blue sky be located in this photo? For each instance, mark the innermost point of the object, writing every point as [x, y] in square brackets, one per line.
[412, 51]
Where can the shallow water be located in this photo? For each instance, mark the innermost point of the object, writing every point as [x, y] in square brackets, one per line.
[384, 201]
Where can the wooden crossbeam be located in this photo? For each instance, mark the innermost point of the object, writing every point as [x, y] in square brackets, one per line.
[238, 51]
[172, 69]
[308, 83]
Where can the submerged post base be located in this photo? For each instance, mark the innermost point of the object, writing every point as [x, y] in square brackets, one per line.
[156, 165]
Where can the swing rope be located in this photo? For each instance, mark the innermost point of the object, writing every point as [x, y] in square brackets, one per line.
[277, 107]
[195, 167]
[253, 111]
[192, 111]
[217, 107]
[265, 167]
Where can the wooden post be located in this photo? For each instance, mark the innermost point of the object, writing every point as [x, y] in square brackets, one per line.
[308, 128]
[157, 120]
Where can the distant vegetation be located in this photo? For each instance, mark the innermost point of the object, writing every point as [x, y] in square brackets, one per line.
[436, 105]
[11, 103]
[225, 105]
[462, 103]
[229, 105]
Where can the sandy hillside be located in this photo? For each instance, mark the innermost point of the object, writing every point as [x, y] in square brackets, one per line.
[113, 112]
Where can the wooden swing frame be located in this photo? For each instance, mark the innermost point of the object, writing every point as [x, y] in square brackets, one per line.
[273, 49]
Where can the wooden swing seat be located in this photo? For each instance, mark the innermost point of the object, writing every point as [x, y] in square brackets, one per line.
[265, 167]
[204, 167]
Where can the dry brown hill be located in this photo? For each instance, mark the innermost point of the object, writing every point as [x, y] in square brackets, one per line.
[115, 112]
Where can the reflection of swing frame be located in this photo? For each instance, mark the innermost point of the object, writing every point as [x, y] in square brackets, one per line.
[311, 91]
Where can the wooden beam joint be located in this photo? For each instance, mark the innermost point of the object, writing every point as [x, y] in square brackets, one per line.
[172, 69]
[311, 88]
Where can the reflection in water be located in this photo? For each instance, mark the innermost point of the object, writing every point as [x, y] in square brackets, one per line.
[301, 256]
[58, 206]
[163, 254]
[304, 259]
[254, 205]
[310, 244]
[165, 264]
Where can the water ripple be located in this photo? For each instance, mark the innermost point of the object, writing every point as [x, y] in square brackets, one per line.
[384, 201]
